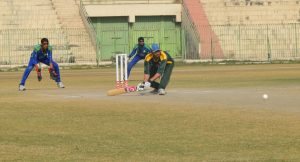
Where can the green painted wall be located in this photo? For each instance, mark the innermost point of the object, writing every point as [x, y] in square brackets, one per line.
[112, 36]
[115, 35]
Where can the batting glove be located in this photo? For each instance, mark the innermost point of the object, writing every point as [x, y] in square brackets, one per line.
[147, 85]
[140, 87]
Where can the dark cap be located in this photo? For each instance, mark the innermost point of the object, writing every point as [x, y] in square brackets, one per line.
[44, 40]
[141, 39]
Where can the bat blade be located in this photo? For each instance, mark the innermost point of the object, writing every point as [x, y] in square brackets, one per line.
[115, 92]
[119, 91]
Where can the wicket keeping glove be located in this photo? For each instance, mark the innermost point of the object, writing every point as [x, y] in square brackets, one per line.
[39, 75]
[53, 74]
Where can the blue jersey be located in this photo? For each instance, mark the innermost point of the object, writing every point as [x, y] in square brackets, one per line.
[38, 55]
[141, 51]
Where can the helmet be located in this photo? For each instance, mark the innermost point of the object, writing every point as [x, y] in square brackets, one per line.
[155, 47]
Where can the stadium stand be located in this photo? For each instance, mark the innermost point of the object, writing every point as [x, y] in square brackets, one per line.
[24, 23]
[228, 29]
[249, 29]
[221, 12]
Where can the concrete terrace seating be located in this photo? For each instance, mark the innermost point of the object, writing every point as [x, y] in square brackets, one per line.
[24, 23]
[19, 14]
[255, 28]
[220, 12]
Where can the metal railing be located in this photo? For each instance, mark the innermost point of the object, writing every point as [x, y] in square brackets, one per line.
[90, 28]
[16, 45]
[238, 42]
[190, 37]
[258, 2]
[252, 42]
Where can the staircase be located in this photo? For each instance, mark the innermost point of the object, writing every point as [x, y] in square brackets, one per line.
[78, 38]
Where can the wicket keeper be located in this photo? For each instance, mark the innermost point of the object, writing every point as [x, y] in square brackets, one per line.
[139, 52]
[158, 64]
[42, 53]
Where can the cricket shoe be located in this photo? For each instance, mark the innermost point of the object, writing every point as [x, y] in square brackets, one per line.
[22, 88]
[60, 85]
[161, 92]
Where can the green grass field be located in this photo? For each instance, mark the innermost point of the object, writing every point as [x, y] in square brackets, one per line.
[211, 113]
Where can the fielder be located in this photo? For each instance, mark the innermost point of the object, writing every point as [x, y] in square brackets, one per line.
[158, 64]
[42, 53]
[139, 52]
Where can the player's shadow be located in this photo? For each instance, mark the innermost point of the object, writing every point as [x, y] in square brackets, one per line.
[40, 89]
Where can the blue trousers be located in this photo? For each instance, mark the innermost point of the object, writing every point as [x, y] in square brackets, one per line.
[131, 64]
[31, 66]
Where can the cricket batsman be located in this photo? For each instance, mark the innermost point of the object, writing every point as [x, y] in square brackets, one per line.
[138, 53]
[158, 64]
[42, 53]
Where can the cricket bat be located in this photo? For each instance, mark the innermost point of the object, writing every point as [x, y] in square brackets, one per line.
[119, 91]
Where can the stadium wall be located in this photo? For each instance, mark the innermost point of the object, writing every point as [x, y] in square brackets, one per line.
[116, 35]
[118, 26]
